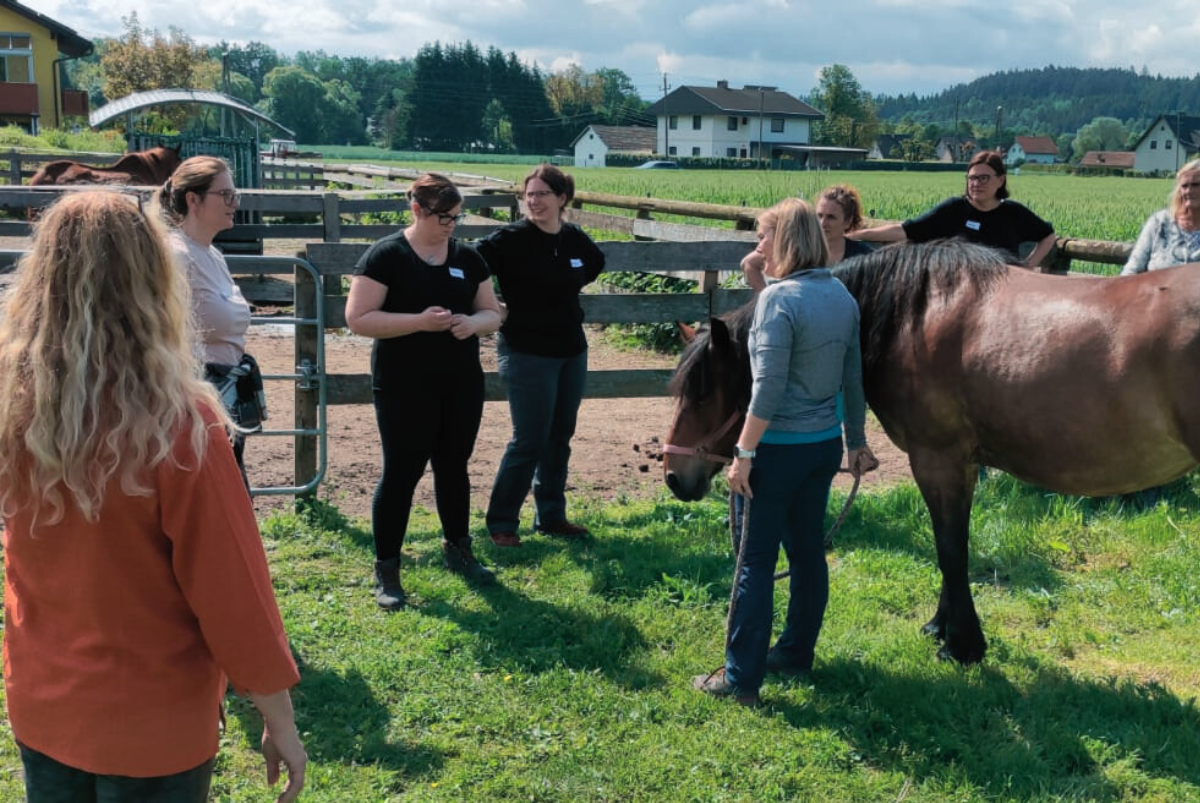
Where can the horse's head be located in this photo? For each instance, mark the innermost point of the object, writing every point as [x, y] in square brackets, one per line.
[712, 385]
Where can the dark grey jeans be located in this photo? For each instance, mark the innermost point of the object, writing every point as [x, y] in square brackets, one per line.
[50, 781]
[543, 399]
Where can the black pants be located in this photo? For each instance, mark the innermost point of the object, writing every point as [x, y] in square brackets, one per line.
[431, 419]
[50, 781]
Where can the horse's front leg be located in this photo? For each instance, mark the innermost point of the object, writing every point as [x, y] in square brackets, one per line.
[947, 483]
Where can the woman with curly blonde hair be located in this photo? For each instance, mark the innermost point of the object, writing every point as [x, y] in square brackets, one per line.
[135, 580]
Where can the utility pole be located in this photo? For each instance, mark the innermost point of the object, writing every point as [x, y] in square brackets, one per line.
[999, 112]
[761, 94]
[666, 120]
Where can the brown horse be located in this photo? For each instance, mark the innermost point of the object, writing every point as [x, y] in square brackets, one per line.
[151, 167]
[1082, 385]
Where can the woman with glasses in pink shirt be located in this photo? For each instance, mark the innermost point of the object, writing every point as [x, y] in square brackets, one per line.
[200, 200]
[983, 214]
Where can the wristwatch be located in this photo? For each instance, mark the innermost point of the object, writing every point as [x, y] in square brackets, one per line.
[744, 454]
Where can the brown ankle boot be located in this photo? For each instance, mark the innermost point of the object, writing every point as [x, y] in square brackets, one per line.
[461, 560]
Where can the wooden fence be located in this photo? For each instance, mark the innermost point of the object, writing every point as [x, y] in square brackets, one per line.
[333, 261]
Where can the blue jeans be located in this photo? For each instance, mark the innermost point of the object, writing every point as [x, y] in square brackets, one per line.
[791, 491]
[543, 400]
[50, 781]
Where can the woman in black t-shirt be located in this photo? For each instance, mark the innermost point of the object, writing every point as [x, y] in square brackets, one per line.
[983, 214]
[425, 298]
[541, 262]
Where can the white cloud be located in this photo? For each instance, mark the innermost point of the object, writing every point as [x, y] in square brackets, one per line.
[892, 46]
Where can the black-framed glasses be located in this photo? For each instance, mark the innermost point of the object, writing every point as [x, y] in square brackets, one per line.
[230, 197]
[446, 220]
[980, 178]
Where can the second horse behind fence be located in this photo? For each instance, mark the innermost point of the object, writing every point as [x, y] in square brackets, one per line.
[147, 168]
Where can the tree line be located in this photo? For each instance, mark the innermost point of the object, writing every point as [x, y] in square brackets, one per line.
[462, 98]
[449, 97]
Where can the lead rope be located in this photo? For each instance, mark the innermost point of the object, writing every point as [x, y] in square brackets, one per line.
[737, 538]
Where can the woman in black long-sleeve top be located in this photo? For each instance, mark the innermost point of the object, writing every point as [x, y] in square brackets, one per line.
[542, 262]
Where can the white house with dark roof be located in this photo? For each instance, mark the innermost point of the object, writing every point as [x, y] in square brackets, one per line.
[1167, 144]
[750, 123]
[1032, 150]
[595, 142]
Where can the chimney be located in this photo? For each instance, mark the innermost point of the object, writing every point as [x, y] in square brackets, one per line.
[722, 85]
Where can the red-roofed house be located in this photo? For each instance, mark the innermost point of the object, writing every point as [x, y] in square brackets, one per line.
[1032, 150]
[1107, 161]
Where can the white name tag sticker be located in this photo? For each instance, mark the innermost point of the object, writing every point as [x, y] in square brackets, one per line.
[456, 273]
[973, 225]
[576, 263]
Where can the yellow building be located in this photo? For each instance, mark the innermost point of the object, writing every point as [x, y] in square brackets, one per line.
[32, 49]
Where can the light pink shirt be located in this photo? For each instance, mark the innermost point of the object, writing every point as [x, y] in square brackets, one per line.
[222, 313]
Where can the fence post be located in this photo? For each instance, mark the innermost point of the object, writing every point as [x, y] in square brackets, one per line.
[14, 169]
[330, 218]
[306, 397]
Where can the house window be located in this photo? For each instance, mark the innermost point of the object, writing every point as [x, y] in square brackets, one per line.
[671, 150]
[673, 122]
[16, 58]
[742, 153]
[695, 151]
[1154, 144]
[732, 124]
[776, 125]
[1167, 144]
[696, 122]
[731, 153]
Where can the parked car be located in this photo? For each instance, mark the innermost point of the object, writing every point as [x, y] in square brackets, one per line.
[657, 164]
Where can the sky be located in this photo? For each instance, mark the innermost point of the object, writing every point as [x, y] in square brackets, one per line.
[891, 46]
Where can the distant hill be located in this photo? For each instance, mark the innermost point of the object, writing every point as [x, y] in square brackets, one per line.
[1051, 100]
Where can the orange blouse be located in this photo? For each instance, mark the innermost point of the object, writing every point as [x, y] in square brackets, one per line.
[119, 635]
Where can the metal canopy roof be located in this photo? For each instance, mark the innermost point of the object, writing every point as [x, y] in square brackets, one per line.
[162, 97]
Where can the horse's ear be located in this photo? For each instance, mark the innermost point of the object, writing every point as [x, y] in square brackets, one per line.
[687, 333]
[718, 334]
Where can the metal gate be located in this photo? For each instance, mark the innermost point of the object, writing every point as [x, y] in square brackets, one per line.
[309, 376]
[241, 153]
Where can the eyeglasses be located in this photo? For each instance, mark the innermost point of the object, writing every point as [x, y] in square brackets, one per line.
[538, 194]
[230, 197]
[979, 178]
[446, 220]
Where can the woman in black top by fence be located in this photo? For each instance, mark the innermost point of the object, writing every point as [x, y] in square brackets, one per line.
[425, 298]
[542, 262]
[982, 214]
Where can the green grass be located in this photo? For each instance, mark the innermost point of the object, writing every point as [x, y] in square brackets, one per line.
[569, 681]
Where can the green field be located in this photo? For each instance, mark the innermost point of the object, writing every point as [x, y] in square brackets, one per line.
[1092, 208]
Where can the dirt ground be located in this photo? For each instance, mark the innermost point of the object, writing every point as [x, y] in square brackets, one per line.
[616, 450]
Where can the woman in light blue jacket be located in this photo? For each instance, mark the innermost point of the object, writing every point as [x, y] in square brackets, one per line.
[1171, 236]
[804, 351]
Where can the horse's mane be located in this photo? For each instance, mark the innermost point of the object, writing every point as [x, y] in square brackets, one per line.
[690, 381]
[894, 285]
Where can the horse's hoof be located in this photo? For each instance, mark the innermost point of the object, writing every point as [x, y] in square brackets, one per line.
[934, 630]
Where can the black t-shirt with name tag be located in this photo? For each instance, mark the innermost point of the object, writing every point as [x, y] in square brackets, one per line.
[412, 287]
[1005, 227]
